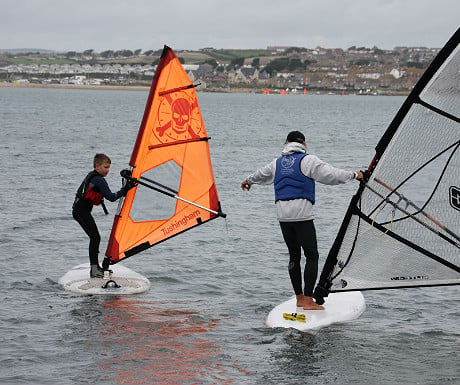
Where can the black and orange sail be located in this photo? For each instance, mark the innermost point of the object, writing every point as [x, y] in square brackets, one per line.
[172, 165]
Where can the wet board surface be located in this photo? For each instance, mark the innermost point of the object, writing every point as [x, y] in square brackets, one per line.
[339, 307]
[128, 281]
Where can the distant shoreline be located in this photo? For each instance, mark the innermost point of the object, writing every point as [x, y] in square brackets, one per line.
[147, 88]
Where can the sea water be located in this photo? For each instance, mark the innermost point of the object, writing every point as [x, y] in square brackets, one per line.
[203, 320]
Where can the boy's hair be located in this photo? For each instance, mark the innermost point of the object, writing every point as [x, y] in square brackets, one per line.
[101, 158]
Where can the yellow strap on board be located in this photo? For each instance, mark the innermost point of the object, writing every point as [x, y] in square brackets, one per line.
[294, 317]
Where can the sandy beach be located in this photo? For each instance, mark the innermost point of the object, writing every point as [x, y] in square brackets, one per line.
[75, 86]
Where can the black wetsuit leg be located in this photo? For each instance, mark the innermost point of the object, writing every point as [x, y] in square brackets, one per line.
[82, 214]
[299, 235]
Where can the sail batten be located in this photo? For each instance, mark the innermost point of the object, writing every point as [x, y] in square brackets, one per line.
[163, 93]
[439, 111]
[401, 226]
[172, 167]
[419, 210]
[151, 147]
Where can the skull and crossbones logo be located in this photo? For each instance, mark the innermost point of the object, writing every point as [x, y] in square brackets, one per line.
[179, 118]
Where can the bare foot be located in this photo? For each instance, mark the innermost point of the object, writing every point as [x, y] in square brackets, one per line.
[300, 300]
[309, 304]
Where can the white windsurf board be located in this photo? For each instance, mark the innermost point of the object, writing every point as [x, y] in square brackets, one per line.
[122, 281]
[339, 307]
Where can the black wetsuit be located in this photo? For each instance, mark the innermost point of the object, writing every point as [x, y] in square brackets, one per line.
[82, 207]
[301, 235]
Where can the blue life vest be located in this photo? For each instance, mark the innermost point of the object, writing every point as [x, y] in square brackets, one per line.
[290, 182]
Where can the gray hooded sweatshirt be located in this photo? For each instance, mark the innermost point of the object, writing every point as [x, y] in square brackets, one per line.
[296, 210]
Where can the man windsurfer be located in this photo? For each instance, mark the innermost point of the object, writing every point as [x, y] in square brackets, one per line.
[92, 191]
[294, 175]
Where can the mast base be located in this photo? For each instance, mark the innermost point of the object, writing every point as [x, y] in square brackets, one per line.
[319, 294]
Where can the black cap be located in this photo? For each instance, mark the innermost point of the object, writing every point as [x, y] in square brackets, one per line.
[295, 136]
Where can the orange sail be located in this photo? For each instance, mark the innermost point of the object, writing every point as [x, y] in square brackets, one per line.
[172, 165]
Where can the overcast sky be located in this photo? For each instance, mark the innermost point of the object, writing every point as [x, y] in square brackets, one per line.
[78, 25]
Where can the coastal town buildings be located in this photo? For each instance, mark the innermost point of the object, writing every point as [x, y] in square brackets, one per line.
[291, 69]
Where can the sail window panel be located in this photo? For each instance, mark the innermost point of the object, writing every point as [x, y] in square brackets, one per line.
[152, 205]
[409, 191]
[422, 135]
[380, 261]
[444, 90]
[426, 192]
[420, 229]
[410, 162]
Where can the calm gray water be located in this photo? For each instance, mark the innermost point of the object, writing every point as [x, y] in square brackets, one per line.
[203, 320]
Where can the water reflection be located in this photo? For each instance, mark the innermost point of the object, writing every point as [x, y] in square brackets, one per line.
[146, 343]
